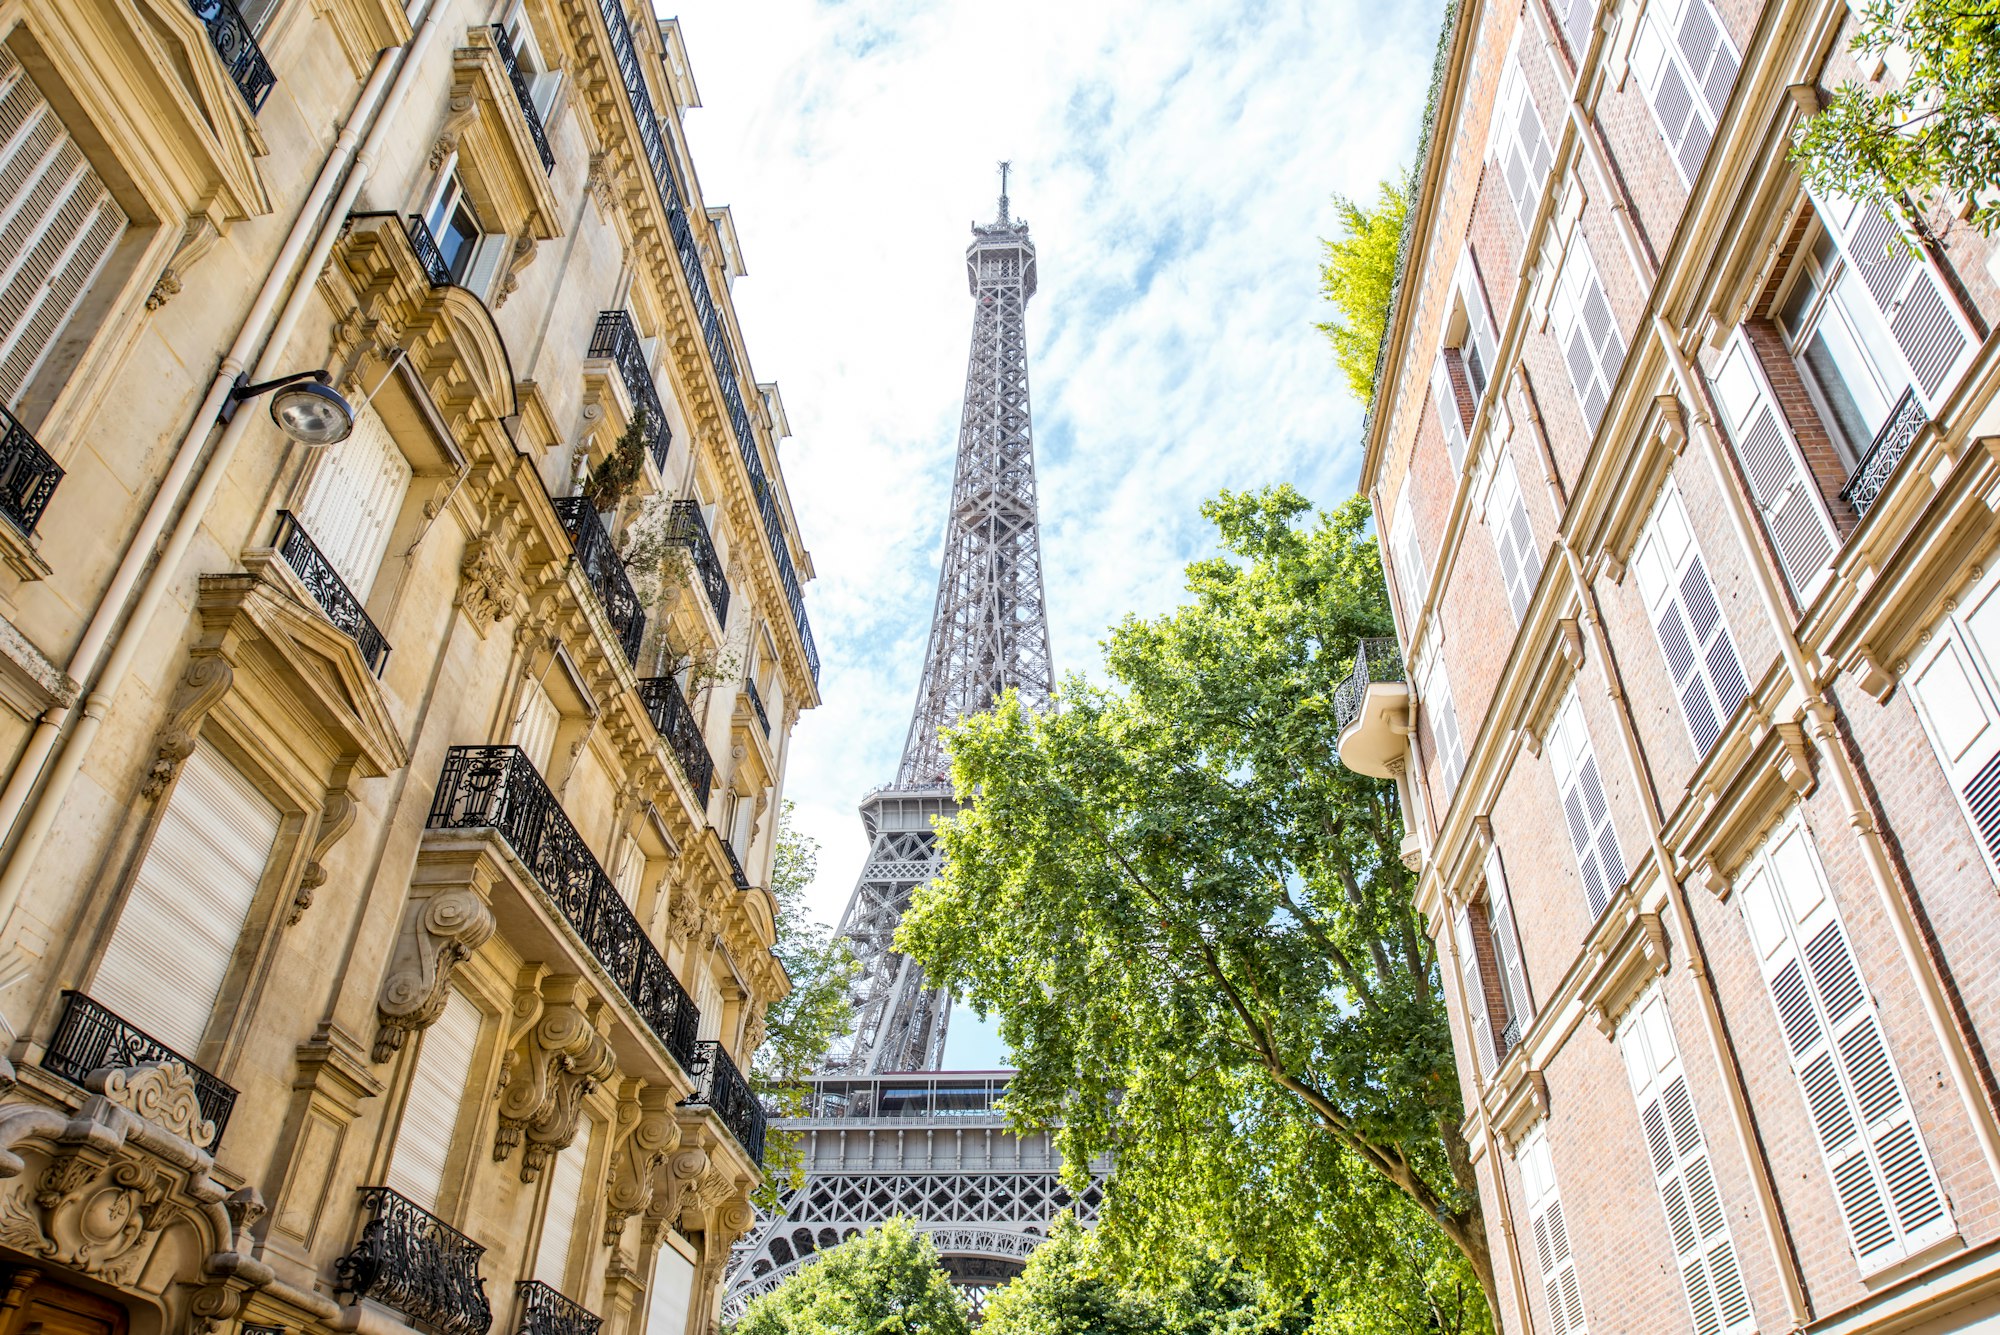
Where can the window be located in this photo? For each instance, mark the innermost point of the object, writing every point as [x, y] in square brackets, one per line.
[1545, 1220]
[631, 870]
[541, 80]
[535, 726]
[1491, 977]
[1929, 337]
[1464, 363]
[1576, 17]
[437, 1092]
[352, 502]
[1518, 140]
[1780, 483]
[1411, 577]
[1435, 694]
[566, 1186]
[708, 1001]
[742, 814]
[470, 254]
[1955, 682]
[1472, 970]
[1513, 539]
[1694, 639]
[1592, 837]
[1861, 1115]
[1586, 332]
[1686, 65]
[1704, 1253]
[1506, 936]
[58, 227]
[671, 1293]
[183, 917]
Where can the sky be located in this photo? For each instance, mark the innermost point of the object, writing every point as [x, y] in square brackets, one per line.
[1176, 161]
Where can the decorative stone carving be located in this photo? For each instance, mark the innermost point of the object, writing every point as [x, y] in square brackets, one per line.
[681, 1170]
[519, 256]
[485, 589]
[651, 1135]
[335, 819]
[197, 236]
[207, 679]
[438, 933]
[545, 1078]
[683, 914]
[89, 1216]
[164, 1094]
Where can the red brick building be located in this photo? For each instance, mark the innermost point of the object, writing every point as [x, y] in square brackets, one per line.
[1687, 484]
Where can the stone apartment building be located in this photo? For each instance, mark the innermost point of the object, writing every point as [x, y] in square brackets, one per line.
[1686, 482]
[383, 899]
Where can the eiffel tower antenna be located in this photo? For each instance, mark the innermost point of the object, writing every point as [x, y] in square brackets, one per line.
[1003, 190]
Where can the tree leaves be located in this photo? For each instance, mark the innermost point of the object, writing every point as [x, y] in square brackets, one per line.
[1357, 275]
[883, 1282]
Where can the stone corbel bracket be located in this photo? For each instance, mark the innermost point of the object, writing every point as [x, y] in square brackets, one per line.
[557, 1062]
[649, 1134]
[443, 924]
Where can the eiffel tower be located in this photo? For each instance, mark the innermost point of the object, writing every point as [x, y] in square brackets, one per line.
[889, 1132]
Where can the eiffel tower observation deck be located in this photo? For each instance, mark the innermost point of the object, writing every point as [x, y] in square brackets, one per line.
[889, 1132]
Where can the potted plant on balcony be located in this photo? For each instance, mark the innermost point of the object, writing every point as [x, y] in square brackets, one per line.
[613, 480]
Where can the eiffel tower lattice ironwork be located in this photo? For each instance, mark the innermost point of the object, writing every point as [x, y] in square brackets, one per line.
[985, 1196]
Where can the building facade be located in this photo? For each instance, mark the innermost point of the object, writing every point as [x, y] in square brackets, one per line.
[387, 821]
[1686, 483]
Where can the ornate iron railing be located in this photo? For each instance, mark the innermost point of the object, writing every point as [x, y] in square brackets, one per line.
[409, 1259]
[428, 253]
[1510, 1036]
[721, 1088]
[686, 525]
[505, 46]
[28, 476]
[236, 46]
[330, 591]
[1375, 659]
[496, 787]
[737, 876]
[757, 706]
[616, 339]
[89, 1037]
[604, 572]
[714, 336]
[674, 720]
[544, 1311]
[1906, 421]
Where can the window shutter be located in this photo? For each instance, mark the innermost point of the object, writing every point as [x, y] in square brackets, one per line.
[1576, 17]
[1411, 577]
[437, 1091]
[1507, 945]
[671, 1293]
[1704, 1252]
[350, 507]
[1473, 989]
[565, 1203]
[1520, 144]
[1687, 66]
[1780, 482]
[1481, 343]
[178, 930]
[708, 1001]
[1513, 539]
[1437, 708]
[535, 728]
[1586, 332]
[1957, 693]
[1444, 393]
[58, 225]
[1924, 320]
[1881, 1172]
[1586, 814]
[1694, 639]
[631, 869]
[1552, 1251]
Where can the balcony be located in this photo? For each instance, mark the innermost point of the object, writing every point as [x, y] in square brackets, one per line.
[1372, 709]
[90, 1038]
[411, 1260]
[1871, 476]
[428, 253]
[28, 476]
[721, 1088]
[616, 340]
[737, 877]
[497, 788]
[685, 525]
[604, 572]
[536, 131]
[324, 583]
[674, 720]
[757, 708]
[544, 1311]
[236, 47]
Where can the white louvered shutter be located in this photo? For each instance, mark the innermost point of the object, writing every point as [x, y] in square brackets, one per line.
[1576, 17]
[535, 727]
[1513, 538]
[1481, 343]
[178, 930]
[1552, 1251]
[1955, 683]
[1686, 65]
[1411, 576]
[1586, 331]
[1592, 837]
[437, 1091]
[1444, 395]
[1519, 142]
[1437, 708]
[58, 225]
[672, 1292]
[1921, 315]
[1703, 1251]
[1780, 482]
[1861, 1116]
[1472, 987]
[351, 504]
[1694, 639]
[1507, 945]
[566, 1179]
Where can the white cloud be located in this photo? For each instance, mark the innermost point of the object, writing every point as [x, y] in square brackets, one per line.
[1175, 159]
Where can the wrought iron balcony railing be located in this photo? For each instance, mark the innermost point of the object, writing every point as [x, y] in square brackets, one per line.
[330, 591]
[505, 46]
[497, 787]
[544, 1311]
[616, 339]
[409, 1259]
[604, 572]
[236, 46]
[1375, 659]
[737, 875]
[428, 253]
[757, 707]
[685, 525]
[90, 1038]
[674, 720]
[1906, 421]
[722, 359]
[28, 476]
[721, 1088]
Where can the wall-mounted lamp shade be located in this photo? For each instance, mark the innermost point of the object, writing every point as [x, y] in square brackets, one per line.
[312, 413]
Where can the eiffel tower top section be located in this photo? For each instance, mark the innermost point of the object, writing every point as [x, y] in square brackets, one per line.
[990, 629]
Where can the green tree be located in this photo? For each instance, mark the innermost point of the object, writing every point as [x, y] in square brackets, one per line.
[1196, 927]
[1357, 274]
[885, 1282]
[1935, 128]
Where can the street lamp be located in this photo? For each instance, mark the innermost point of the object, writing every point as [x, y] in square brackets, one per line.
[305, 407]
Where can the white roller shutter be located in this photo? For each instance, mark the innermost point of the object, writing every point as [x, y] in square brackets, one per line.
[1592, 836]
[184, 915]
[1955, 682]
[1687, 621]
[437, 1091]
[58, 225]
[1861, 1115]
[351, 504]
[631, 870]
[1513, 538]
[1551, 1235]
[1586, 331]
[1922, 317]
[566, 1183]
[708, 1001]
[671, 1293]
[1780, 482]
[535, 726]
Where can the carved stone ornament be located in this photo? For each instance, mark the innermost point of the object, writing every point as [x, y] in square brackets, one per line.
[335, 819]
[164, 1094]
[548, 1074]
[207, 679]
[438, 933]
[653, 1134]
[519, 256]
[681, 1170]
[485, 590]
[92, 1216]
[683, 914]
[197, 237]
